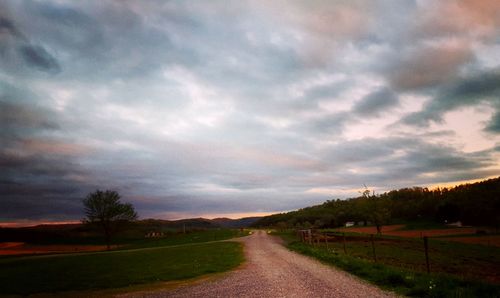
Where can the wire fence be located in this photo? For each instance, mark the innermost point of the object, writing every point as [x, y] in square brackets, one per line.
[427, 264]
[419, 254]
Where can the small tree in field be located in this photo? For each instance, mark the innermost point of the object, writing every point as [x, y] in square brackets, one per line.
[105, 209]
[377, 212]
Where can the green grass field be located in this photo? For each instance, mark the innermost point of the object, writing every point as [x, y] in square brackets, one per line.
[463, 260]
[135, 238]
[180, 238]
[48, 274]
[458, 270]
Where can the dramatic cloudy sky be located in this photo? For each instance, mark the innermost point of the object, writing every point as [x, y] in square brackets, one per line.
[228, 108]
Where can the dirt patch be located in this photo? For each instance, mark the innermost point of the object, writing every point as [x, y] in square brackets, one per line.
[395, 230]
[371, 230]
[20, 248]
[4, 245]
[432, 233]
[484, 240]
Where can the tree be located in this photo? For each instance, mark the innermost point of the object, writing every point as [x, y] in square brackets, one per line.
[281, 226]
[105, 209]
[378, 213]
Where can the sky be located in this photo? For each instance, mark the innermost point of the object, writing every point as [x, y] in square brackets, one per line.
[237, 108]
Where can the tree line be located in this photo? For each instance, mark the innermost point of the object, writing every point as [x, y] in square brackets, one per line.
[473, 204]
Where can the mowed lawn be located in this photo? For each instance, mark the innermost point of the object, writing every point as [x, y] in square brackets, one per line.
[47, 274]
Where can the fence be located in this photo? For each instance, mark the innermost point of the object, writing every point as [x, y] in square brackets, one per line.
[374, 244]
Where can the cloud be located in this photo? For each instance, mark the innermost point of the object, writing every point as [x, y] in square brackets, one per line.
[241, 107]
[39, 58]
[494, 124]
[467, 91]
[428, 65]
[14, 117]
[376, 102]
[37, 185]
[397, 160]
[40, 176]
[468, 17]
[330, 124]
[8, 27]
[35, 56]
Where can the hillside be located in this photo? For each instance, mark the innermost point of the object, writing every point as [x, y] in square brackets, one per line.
[473, 204]
[235, 223]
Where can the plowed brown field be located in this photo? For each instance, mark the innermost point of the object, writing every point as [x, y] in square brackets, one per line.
[395, 230]
[20, 248]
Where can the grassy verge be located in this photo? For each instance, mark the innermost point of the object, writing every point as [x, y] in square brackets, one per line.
[404, 281]
[116, 269]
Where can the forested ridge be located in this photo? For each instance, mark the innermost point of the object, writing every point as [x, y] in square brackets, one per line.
[473, 204]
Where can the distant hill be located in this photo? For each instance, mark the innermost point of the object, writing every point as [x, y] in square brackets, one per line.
[235, 223]
[63, 232]
[221, 222]
[472, 204]
[190, 223]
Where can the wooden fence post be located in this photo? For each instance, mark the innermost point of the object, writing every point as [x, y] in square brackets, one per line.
[373, 248]
[343, 240]
[309, 235]
[326, 241]
[426, 246]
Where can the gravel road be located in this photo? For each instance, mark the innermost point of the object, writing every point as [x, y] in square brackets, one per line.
[271, 270]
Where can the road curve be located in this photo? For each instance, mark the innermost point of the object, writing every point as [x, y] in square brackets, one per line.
[271, 270]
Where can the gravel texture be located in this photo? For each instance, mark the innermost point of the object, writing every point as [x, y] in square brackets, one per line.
[271, 270]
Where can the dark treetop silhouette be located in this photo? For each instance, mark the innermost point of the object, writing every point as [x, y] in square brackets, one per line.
[105, 209]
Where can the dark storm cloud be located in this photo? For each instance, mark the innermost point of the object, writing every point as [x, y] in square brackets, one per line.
[468, 91]
[494, 123]
[40, 177]
[40, 185]
[330, 124]
[63, 15]
[395, 161]
[333, 124]
[33, 55]
[37, 57]
[376, 102]
[15, 117]
[427, 66]
[47, 207]
[8, 26]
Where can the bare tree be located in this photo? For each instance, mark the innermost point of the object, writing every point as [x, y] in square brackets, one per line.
[377, 212]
